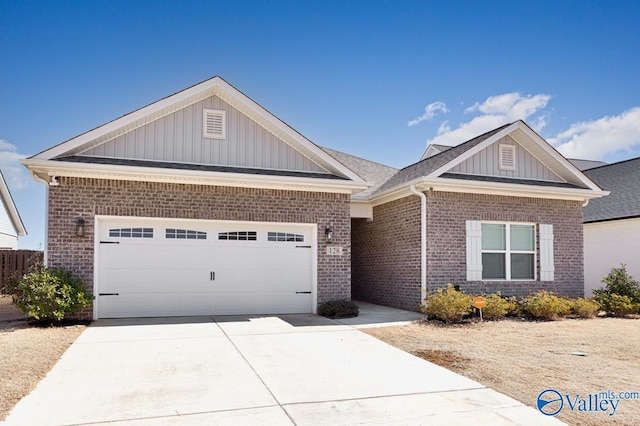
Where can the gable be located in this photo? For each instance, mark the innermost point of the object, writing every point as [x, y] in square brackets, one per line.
[179, 138]
[6, 226]
[487, 162]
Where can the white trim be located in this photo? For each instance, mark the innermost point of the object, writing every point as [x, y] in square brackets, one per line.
[99, 219]
[197, 177]
[423, 243]
[215, 86]
[14, 216]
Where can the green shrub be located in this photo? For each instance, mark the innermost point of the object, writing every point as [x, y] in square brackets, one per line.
[546, 305]
[584, 308]
[10, 285]
[447, 304]
[338, 309]
[50, 294]
[617, 305]
[499, 306]
[621, 294]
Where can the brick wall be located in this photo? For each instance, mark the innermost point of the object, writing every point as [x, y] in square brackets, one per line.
[386, 255]
[386, 251]
[447, 214]
[76, 197]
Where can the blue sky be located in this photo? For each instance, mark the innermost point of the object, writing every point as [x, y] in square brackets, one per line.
[377, 79]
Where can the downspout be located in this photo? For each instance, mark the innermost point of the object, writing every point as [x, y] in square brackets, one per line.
[423, 242]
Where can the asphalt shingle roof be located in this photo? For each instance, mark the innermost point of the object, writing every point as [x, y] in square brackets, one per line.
[428, 165]
[623, 180]
[586, 164]
[372, 172]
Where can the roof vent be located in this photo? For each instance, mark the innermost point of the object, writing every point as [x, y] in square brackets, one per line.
[214, 124]
[507, 157]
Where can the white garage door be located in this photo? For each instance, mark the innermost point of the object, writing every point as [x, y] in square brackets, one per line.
[179, 268]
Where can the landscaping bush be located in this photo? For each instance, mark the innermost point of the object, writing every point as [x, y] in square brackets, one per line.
[546, 305]
[338, 309]
[621, 294]
[50, 294]
[584, 308]
[617, 305]
[447, 304]
[499, 306]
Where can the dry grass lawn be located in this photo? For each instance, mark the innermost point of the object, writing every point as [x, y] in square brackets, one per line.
[521, 358]
[27, 353]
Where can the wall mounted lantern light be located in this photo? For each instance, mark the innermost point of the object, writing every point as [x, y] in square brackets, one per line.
[328, 233]
[79, 227]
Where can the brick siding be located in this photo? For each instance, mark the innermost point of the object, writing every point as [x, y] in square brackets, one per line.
[84, 197]
[386, 255]
[386, 250]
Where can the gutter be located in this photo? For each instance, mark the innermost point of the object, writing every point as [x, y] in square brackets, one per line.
[423, 242]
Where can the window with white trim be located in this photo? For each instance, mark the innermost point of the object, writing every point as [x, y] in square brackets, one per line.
[285, 236]
[184, 234]
[238, 236]
[131, 232]
[508, 251]
[214, 124]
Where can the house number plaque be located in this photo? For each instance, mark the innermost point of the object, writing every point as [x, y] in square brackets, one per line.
[334, 251]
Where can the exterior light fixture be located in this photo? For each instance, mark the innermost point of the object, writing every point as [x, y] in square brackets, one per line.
[79, 227]
[328, 233]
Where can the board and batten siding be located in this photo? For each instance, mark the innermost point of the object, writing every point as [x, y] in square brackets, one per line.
[487, 163]
[178, 137]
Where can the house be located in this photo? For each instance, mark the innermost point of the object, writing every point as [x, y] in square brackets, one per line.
[206, 203]
[200, 203]
[500, 212]
[11, 226]
[612, 224]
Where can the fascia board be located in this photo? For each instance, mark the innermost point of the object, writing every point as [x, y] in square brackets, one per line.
[489, 188]
[471, 152]
[47, 169]
[281, 129]
[560, 158]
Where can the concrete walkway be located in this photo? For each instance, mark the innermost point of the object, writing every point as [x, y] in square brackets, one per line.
[263, 370]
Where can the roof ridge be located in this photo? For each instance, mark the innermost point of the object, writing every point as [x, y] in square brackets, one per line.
[612, 164]
[359, 158]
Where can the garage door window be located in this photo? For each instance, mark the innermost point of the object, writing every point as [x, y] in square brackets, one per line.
[285, 236]
[131, 232]
[238, 236]
[185, 234]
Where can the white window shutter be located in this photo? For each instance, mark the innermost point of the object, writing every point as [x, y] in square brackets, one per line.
[214, 124]
[546, 253]
[474, 250]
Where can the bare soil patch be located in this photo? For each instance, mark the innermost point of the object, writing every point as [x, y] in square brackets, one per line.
[27, 352]
[521, 358]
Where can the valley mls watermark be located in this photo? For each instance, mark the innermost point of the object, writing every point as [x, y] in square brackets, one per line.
[551, 402]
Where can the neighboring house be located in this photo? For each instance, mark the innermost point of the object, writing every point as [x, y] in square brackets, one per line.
[501, 212]
[612, 224]
[205, 203]
[11, 226]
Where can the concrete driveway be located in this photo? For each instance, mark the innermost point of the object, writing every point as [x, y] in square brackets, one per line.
[278, 370]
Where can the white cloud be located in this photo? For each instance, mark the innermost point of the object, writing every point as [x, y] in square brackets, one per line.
[430, 111]
[494, 112]
[593, 140]
[14, 173]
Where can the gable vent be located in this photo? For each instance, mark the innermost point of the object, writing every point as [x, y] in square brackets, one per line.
[214, 126]
[507, 157]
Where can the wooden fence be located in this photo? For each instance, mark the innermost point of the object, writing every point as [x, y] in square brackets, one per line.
[16, 261]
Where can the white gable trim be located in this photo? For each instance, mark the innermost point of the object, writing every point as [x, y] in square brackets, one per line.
[215, 86]
[528, 139]
[11, 207]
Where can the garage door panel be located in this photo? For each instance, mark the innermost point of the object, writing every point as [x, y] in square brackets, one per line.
[163, 276]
